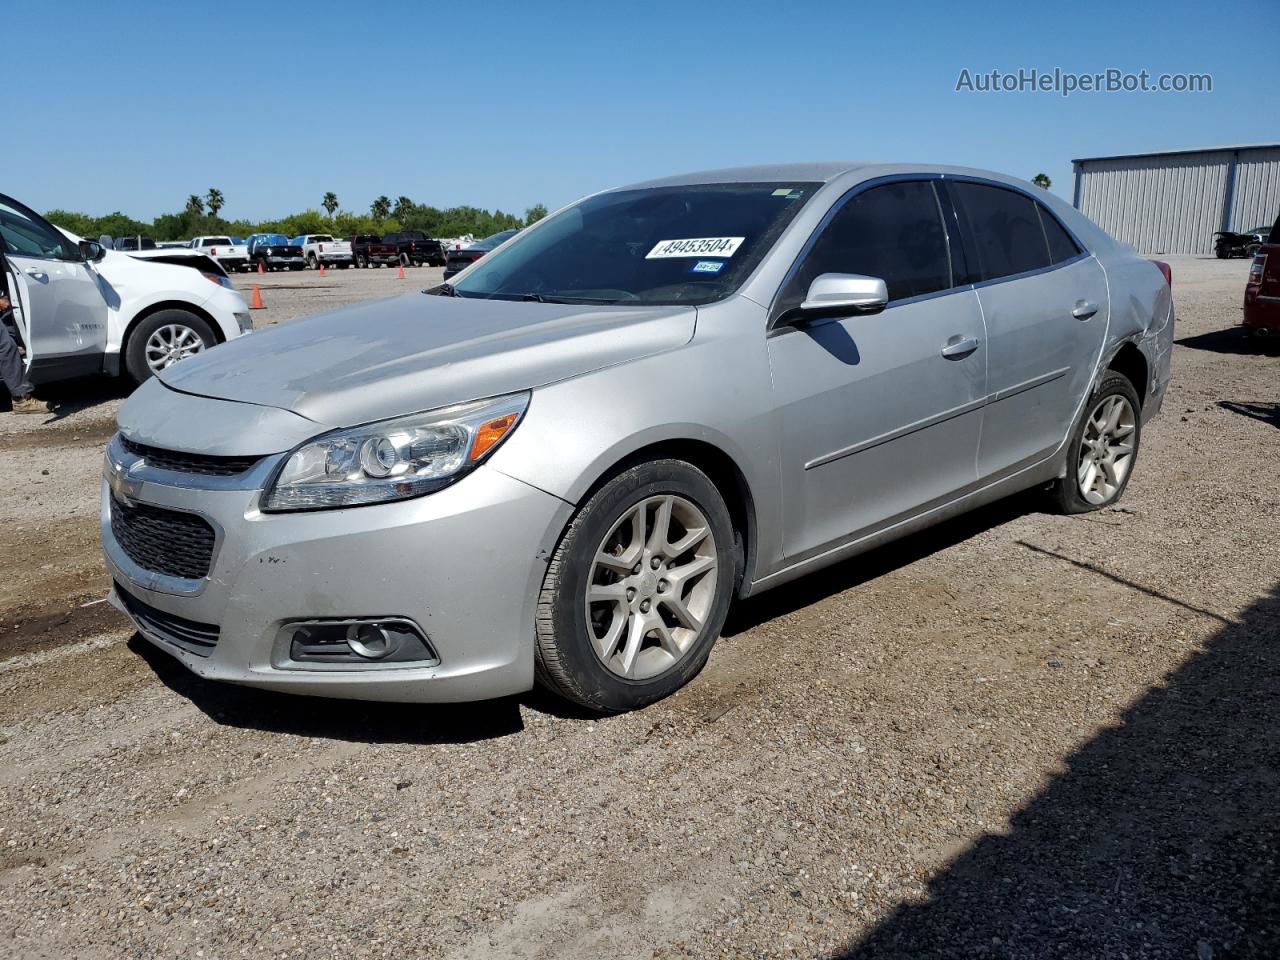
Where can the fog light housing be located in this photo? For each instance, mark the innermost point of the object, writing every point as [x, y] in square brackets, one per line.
[355, 643]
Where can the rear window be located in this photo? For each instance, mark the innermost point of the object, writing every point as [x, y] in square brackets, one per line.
[322, 238]
[215, 242]
[1003, 229]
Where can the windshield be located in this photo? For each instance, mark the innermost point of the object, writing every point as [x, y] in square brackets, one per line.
[662, 245]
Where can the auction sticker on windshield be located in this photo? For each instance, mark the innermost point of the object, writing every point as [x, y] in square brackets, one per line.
[695, 247]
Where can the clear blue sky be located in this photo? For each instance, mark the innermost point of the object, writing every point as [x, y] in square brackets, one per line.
[133, 106]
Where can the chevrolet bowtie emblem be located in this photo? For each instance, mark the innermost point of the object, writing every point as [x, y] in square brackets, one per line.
[122, 485]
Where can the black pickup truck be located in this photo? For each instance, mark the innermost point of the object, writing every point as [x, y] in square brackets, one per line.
[368, 250]
[416, 248]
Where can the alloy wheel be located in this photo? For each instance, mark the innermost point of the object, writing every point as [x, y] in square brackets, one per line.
[171, 343]
[1106, 450]
[652, 587]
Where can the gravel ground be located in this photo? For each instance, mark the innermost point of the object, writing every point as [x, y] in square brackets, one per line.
[1015, 735]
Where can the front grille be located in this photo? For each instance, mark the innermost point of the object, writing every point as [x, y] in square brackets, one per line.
[194, 637]
[164, 541]
[200, 463]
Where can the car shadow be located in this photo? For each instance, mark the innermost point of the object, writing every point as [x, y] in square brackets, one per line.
[351, 720]
[72, 396]
[1268, 413]
[1159, 837]
[1231, 340]
[816, 586]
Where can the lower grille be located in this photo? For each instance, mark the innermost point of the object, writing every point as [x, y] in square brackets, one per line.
[203, 464]
[168, 542]
[193, 637]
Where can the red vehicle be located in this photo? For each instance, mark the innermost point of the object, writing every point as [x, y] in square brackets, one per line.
[1262, 292]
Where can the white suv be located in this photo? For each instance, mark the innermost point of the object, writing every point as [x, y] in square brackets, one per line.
[81, 309]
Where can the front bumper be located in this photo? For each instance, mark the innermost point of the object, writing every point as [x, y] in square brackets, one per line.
[465, 564]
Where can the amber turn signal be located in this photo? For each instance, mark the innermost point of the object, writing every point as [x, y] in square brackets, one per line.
[490, 433]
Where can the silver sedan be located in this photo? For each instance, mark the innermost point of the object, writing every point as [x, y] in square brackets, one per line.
[564, 465]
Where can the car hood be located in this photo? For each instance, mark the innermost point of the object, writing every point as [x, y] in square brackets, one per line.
[415, 352]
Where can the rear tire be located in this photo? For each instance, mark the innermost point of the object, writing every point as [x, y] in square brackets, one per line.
[313, 262]
[1103, 448]
[651, 627]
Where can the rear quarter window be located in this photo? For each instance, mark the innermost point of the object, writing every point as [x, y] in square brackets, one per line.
[1061, 246]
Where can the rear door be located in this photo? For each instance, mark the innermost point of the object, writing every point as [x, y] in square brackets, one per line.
[62, 306]
[1044, 301]
[874, 420]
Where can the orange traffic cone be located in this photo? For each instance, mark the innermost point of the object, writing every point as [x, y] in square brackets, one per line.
[402, 276]
[322, 269]
[257, 303]
[261, 271]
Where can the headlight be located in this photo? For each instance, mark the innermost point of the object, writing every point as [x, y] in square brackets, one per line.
[394, 459]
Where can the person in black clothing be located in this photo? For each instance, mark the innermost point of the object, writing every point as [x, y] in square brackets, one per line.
[12, 370]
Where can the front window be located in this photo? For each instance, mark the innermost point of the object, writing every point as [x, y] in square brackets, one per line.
[27, 235]
[662, 245]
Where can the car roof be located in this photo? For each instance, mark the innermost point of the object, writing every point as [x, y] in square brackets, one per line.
[763, 173]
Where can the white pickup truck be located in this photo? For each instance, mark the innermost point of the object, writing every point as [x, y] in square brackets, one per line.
[318, 248]
[231, 256]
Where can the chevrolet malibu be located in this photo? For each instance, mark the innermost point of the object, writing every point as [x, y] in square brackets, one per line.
[564, 465]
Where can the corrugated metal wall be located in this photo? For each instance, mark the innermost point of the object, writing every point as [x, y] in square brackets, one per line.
[1173, 203]
[1256, 201]
[1160, 204]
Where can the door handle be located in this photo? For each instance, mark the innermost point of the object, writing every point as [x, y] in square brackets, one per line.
[958, 347]
[35, 272]
[1083, 310]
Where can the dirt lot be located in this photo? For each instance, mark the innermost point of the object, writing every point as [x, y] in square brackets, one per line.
[1016, 735]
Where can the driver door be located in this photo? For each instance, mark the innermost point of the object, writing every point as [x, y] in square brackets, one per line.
[61, 311]
[879, 414]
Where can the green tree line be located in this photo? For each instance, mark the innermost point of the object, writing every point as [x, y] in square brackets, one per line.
[201, 217]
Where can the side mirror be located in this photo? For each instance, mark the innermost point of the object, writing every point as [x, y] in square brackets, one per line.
[834, 294]
[91, 251]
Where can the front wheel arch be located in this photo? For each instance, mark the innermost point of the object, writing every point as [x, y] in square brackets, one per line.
[723, 471]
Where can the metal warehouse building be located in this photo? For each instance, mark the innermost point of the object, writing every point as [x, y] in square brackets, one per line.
[1172, 202]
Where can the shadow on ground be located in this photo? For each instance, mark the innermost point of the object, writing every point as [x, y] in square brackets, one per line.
[1266, 412]
[1161, 838]
[72, 396]
[1231, 340]
[816, 586]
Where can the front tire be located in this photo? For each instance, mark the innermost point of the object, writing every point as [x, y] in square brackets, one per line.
[163, 339]
[1103, 448]
[637, 590]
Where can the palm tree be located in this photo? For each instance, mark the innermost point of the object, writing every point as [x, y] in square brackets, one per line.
[330, 203]
[404, 207]
[214, 201]
[380, 209]
[1042, 180]
[195, 205]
